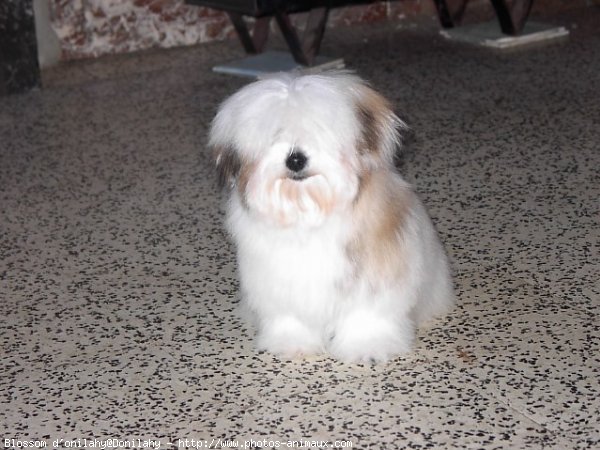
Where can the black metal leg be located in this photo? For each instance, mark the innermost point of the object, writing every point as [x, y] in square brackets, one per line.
[314, 31]
[254, 43]
[291, 37]
[304, 51]
[261, 33]
[450, 12]
[512, 15]
[512, 18]
[242, 31]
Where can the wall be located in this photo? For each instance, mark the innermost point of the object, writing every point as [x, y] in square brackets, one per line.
[90, 28]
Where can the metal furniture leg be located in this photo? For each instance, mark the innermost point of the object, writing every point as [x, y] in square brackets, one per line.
[512, 14]
[304, 51]
[450, 12]
[255, 42]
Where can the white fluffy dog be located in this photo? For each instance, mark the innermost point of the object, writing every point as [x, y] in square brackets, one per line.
[335, 251]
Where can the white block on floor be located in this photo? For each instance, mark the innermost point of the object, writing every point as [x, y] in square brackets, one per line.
[488, 34]
[256, 66]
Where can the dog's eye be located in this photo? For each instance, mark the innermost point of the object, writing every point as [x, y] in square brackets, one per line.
[296, 161]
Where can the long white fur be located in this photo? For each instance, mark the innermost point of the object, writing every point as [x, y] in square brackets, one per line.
[307, 290]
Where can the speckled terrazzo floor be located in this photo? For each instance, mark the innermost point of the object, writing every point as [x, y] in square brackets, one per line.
[118, 286]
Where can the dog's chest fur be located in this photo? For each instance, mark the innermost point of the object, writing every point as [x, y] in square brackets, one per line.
[297, 266]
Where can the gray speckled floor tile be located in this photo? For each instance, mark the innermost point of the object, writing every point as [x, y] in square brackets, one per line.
[423, 405]
[118, 289]
[533, 350]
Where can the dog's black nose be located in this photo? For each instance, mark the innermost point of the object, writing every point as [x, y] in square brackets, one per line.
[296, 161]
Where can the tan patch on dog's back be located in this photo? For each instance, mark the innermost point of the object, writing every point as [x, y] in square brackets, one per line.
[380, 213]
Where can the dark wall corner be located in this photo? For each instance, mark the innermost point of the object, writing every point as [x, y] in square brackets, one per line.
[19, 68]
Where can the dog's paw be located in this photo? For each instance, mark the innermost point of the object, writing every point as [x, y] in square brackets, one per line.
[288, 338]
[370, 339]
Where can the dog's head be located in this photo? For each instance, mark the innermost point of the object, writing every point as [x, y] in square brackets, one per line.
[296, 147]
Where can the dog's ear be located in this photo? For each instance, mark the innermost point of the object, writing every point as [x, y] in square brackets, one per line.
[228, 165]
[380, 127]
